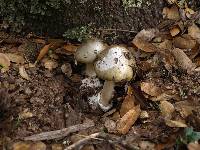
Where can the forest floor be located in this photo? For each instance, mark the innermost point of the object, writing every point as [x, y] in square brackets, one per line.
[158, 109]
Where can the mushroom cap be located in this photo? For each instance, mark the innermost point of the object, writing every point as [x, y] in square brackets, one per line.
[88, 51]
[115, 63]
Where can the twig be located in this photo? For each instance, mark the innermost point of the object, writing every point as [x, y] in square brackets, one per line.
[83, 141]
[118, 30]
[59, 133]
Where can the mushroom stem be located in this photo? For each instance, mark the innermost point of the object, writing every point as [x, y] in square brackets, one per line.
[90, 70]
[107, 92]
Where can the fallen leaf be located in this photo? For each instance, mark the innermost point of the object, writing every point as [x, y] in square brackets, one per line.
[4, 62]
[50, 64]
[144, 115]
[21, 145]
[176, 124]
[110, 125]
[43, 52]
[175, 31]
[146, 145]
[166, 109]
[185, 108]
[70, 48]
[128, 102]
[38, 146]
[150, 88]
[166, 44]
[184, 42]
[15, 58]
[193, 146]
[171, 13]
[126, 122]
[143, 38]
[194, 32]
[183, 60]
[67, 69]
[23, 73]
[56, 147]
[25, 114]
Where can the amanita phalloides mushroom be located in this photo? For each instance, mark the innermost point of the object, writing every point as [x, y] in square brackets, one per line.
[114, 64]
[88, 52]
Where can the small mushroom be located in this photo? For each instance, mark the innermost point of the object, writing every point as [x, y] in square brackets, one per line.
[87, 53]
[114, 64]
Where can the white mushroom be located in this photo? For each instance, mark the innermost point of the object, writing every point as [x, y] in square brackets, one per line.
[87, 53]
[114, 64]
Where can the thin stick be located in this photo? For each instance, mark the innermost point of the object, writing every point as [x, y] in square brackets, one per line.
[83, 141]
[59, 133]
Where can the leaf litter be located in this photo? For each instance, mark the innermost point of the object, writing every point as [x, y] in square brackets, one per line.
[150, 110]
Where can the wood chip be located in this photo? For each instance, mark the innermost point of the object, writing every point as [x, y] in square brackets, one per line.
[23, 73]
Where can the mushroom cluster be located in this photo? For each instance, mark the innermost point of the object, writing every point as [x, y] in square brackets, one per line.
[112, 64]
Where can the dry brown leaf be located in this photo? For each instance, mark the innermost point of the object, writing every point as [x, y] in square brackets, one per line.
[194, 32]
[143, 38]
[171, 13]
[183, 60]
[197, 61]
[193, 146]
[40, 41]
[176, 124]
[163, 97]
[4, 62]
[184, 42]
[166, 109]
[16, 58]
[50, 64]
[23, 73]
[43, 52]
[175, 31]
[184, 108]
[166, 44]
[126, 122]
[25, 114]
[128, 102]
[150, 88]
[70, 48]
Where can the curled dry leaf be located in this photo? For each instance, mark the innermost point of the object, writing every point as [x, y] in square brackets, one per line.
[184, 42]
[183, 61]
[43, 52]
[176, 124]
[166, 109]
[15, 58]
[128, 103]
[175, 31]
[143, 38]
[23, 73]
[126, 122]
[171, 13]
[50, 64]
[194, 32]
[4, 62]
[150, 88]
